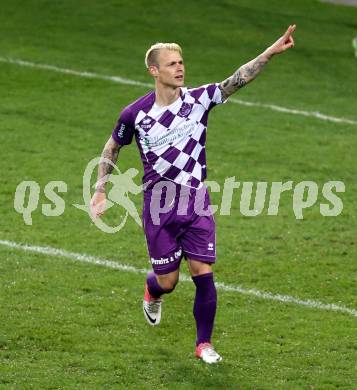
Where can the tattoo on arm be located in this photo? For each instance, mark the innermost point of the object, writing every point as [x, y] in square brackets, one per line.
[111, 153]
[243, 76]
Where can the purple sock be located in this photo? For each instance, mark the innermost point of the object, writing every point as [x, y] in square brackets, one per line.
[154, 288]
[204, 308]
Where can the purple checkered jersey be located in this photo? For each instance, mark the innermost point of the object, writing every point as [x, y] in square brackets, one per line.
[171, 139]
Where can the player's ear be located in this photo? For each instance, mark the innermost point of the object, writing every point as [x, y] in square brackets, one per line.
[153, 70]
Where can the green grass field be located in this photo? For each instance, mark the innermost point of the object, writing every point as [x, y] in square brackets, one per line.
[72, 325]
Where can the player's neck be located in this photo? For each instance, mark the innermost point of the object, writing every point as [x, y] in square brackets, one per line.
[164, 96]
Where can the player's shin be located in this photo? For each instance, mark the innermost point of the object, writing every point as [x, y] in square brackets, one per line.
[204, 309]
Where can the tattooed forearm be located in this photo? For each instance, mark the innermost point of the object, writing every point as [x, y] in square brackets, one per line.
[110, 153]
[243, 75]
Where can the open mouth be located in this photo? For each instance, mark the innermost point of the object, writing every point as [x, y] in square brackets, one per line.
[180, 77]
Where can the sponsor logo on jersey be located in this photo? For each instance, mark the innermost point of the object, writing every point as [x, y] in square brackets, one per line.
[170, 136]
[121, 130]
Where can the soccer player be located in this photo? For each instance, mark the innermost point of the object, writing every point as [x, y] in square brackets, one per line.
[169, 125]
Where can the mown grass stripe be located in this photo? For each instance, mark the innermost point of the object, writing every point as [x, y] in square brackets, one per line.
[122, 80]
[221, 286]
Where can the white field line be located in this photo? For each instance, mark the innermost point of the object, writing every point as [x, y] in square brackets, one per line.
[221, 286]
[313, 114]
[121, 80]
[72, 72]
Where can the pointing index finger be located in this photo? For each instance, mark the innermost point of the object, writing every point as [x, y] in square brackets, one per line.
[290, 30]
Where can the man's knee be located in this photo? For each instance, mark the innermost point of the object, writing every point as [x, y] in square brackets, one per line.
[168, 283]
[198, 267]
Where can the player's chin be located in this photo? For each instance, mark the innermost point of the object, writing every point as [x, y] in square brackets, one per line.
[179, 81]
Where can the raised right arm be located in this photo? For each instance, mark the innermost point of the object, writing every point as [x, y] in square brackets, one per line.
[249, 71]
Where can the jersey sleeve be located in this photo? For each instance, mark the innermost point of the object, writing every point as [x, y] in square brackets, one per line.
[209, 95]
[124, 129]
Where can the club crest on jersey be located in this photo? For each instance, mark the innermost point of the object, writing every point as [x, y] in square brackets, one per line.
[146, 123]
[185, 110]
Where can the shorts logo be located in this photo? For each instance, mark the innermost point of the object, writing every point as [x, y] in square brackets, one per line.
[185, 110]
[167, 260]
[210, 246]
[121, 130]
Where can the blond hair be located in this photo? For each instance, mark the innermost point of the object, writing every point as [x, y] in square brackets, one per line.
[151, 54]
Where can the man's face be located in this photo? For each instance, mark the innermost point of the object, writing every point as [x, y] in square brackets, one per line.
[171, 70]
